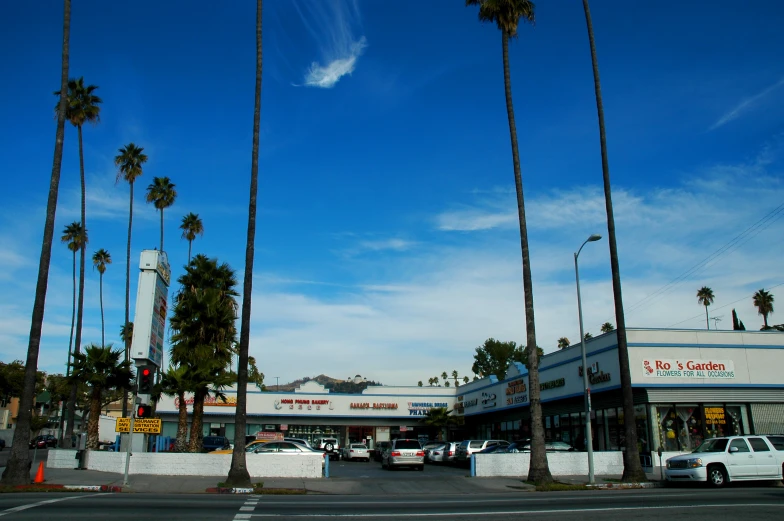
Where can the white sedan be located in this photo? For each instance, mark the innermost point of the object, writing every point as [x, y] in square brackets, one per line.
[356, 451]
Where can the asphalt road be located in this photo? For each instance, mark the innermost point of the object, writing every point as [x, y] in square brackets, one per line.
[759, 503]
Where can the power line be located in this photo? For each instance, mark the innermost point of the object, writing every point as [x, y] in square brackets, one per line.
[722, 307]
[733, 245]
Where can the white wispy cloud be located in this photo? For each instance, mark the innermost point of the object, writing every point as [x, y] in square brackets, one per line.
[333, 26]
[745, 105]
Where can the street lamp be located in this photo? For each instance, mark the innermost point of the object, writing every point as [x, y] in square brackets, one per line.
[588, 435]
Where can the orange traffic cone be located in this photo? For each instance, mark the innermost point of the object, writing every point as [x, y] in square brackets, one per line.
[39, 476]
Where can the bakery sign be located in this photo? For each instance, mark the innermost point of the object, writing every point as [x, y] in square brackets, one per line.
[688, 368]
[210, 401]
[302, 404]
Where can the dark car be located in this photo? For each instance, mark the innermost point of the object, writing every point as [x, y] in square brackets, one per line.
[212, 443]
[2, 443]
[380, 446]
[43, 441]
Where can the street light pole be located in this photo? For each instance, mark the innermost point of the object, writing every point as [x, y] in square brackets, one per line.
[588, 434]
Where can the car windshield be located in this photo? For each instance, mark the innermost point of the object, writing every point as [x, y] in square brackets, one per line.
[407, 444]
[357, 446]
[713, 445]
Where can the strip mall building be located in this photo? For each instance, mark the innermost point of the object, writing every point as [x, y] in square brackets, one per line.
[687, 385]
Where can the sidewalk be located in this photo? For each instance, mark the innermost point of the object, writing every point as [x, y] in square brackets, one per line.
[141, 483]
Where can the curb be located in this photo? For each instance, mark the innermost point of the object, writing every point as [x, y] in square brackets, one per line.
[618, 486]
[226, 490]
[93, 488]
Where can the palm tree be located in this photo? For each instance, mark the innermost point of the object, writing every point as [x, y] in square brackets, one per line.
[507, 14]
[72, 237]
[763, 300]
[444, 376]
[101, 259]
[130, 163]
[238, 473]
[204, 332]
[174, 382]
[465, 379]
[419, 383]
[76, 236]
[705, 297]
[126, 333]
[455, 375]
[439, 418]
[588, 335]
[563, 342]
[161, 194]
[191, 227]
[102, 369]
[607, 327]
[632, 469]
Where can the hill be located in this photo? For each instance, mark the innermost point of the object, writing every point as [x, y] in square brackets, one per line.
[333, 384]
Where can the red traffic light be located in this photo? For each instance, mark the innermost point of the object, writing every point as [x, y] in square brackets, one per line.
[144, 411]
[146, 372]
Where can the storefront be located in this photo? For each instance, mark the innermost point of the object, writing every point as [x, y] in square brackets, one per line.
[311, 412]
[687, 386]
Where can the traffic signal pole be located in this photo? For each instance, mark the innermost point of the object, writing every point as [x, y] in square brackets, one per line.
[128, 453]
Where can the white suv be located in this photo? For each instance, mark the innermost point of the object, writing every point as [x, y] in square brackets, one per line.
[732, 458]
[328, 445]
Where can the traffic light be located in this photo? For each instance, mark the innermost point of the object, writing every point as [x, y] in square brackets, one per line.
[144, 411]
[145, 379]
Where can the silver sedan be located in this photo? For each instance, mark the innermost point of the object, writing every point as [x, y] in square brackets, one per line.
[403, 453]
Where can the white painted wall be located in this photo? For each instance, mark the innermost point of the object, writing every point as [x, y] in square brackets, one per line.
[174, 464]
[61, 459]
[561, 463]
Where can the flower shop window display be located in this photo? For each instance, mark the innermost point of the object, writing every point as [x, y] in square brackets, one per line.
[680, 428]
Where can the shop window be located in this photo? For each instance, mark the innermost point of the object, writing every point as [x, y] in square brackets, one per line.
[689, 427]
[564, 429]
[668, 427]
[613, 425]
[641, 422]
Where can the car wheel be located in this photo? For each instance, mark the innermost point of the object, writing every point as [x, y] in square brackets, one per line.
[328, 447]
[717, 476]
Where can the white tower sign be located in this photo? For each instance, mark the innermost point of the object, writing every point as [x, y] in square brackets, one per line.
[149, 323]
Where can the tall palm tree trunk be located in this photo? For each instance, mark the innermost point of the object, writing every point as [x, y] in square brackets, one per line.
[539, 470]
[238, 473]
[128, 294]
[95, 415]
[181, 443]
[190, 243]
[707, 320]
[68, 365]
[195, 444]
[632, 469]
[17, 471]
[161, 229]
[80, 304]
[100, 294]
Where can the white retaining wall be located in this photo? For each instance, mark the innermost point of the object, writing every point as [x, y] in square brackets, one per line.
[561, 463]
[175, 464]
[61, 459]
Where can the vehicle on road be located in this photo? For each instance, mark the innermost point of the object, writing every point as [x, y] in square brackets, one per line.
[43, 441]
[250, 447]
[301, 441]
[212, 443]
[328, 445]
[444, 453]
[403, 453]
[356, 451]
[380, 446]
[468, 447]
[288, 448]
[2, 443]
[550, 446]
[719, 461]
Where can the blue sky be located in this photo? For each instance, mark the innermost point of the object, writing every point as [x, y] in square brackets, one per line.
[387, 243]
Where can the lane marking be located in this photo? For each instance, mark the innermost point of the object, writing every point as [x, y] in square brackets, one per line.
[42, 503]
[514, 512]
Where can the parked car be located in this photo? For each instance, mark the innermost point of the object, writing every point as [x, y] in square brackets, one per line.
[356, 451]
[718, 461]
[468, 447]
[494, 448]
[250, 447]
[288, 448]
[430, 445]
[301, 441]
[212, 443]
[2, 443]
[550, 446]
[444, 454]
[328, 445]
[43, 441]
[403, 453]
[380, 446]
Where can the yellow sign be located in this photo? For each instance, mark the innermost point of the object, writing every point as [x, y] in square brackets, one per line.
[143, 425]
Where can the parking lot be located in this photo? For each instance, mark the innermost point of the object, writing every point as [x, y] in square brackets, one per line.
[372, 469]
